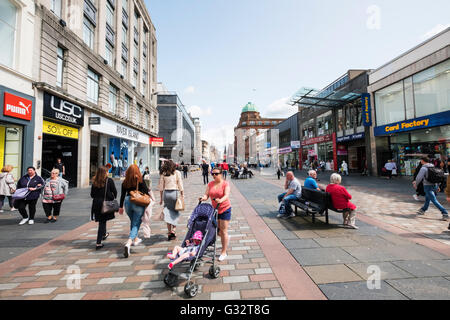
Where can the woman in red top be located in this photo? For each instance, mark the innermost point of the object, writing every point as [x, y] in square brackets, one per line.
[219, 190]
[341, 200]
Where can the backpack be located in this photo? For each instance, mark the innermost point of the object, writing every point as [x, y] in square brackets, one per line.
[282, 208]
[435, 175]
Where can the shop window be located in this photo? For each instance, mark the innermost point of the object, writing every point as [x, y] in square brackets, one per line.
[8, 14]
[11, 148]
[389, 104]
[431, 89]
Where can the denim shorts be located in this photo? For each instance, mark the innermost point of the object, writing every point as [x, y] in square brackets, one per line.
[226, 215]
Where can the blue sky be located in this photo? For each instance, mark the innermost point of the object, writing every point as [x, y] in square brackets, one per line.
[220, 54]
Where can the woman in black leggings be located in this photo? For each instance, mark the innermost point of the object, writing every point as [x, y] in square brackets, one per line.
[99, 194]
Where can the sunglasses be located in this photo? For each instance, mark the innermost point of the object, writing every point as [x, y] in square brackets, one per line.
[215, 173]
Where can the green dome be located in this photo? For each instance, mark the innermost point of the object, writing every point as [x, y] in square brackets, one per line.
[249, 107]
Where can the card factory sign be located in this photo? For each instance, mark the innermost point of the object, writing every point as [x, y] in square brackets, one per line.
[17, 107]
[62, 110]
[115, 129]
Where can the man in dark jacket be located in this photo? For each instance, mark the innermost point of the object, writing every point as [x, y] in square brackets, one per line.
[205, 171]
[34, 183]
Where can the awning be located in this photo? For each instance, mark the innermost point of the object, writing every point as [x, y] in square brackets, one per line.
[309, 97]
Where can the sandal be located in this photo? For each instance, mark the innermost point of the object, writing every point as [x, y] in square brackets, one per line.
[106, 236]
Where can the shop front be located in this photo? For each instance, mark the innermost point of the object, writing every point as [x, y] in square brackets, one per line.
[407, 141]
[16, 130]
[352, 150]
[113, 141]
[319, 148]
[60, 139]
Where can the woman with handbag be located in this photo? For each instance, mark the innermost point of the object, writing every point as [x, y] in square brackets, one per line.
[53, 194]
[171, 190]
[103, 190]
[135, 197]
[7, 187]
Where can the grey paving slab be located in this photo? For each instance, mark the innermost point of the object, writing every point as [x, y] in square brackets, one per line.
[387, 269]
[370, 254]
[442, 265]
[423, 288]
[360, 291]
[419, 268]
[283, 234]
[321, 256]
[336, 242]
[300, 244]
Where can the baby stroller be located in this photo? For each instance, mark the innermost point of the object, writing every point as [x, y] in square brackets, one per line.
[203, 218]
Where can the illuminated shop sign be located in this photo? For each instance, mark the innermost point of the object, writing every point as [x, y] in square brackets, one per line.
[366, 110]
[433, 120]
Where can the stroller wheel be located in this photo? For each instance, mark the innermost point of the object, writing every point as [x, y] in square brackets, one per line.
[170, 280]
[191, 289]
[214, 272]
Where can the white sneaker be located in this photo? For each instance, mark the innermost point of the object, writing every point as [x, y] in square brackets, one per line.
[352, 227]
[1, 210]
[31, 222]
[416, 197]
[13, 209]
[222, 257]
[137, 242]
[126, 251]
[280, 215]
[23, 221]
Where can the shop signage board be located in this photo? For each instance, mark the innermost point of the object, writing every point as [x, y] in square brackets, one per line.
[295, 144]
[351, 137]
[115, 129]
[157, 142]
[60, 130]
[434, 120]
[366, 110]
[315, 140]
[62, 110]
[17, 107]
[285, 150]
[94, 120]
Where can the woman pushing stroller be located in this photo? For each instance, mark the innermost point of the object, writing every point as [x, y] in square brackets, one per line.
[180, 254]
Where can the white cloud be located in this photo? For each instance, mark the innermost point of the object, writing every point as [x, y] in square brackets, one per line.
[279, 109]
[190, 89]
[197, 112]
[436, 29]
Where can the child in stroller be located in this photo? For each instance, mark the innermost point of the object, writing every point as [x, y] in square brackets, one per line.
[190, 250]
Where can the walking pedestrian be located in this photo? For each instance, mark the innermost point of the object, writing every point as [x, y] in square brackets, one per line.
[278, 171]
[443, 166]
[7, 187]
[447, 191]
[294, 192]
[119, 166]
[185, 171]
[116, 167]
[344, 168]
[170, 188]
[60, 166]
[205, 171]
[389, 166]
[427, 174]
[225, 169]
[34, 184]
[419, 190]
[341, 200]
[54, 191]
[133, 181]
[219, 192]
[98, 195]
[146, 176]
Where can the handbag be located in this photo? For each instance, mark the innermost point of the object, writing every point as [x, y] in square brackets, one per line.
[139, 198]
[58, 197]
[179, 204]
[109, 206]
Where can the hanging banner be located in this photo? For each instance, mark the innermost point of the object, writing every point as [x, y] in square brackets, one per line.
[366, 110]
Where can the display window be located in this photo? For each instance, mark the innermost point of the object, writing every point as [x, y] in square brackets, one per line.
[11, 148]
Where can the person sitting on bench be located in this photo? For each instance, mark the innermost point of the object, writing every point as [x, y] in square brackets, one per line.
[311, 182]
[294, 192]
[341, 201]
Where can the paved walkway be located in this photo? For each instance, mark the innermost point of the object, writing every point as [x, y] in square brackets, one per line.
[339, 260]
[390, 202]
[46, 272]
